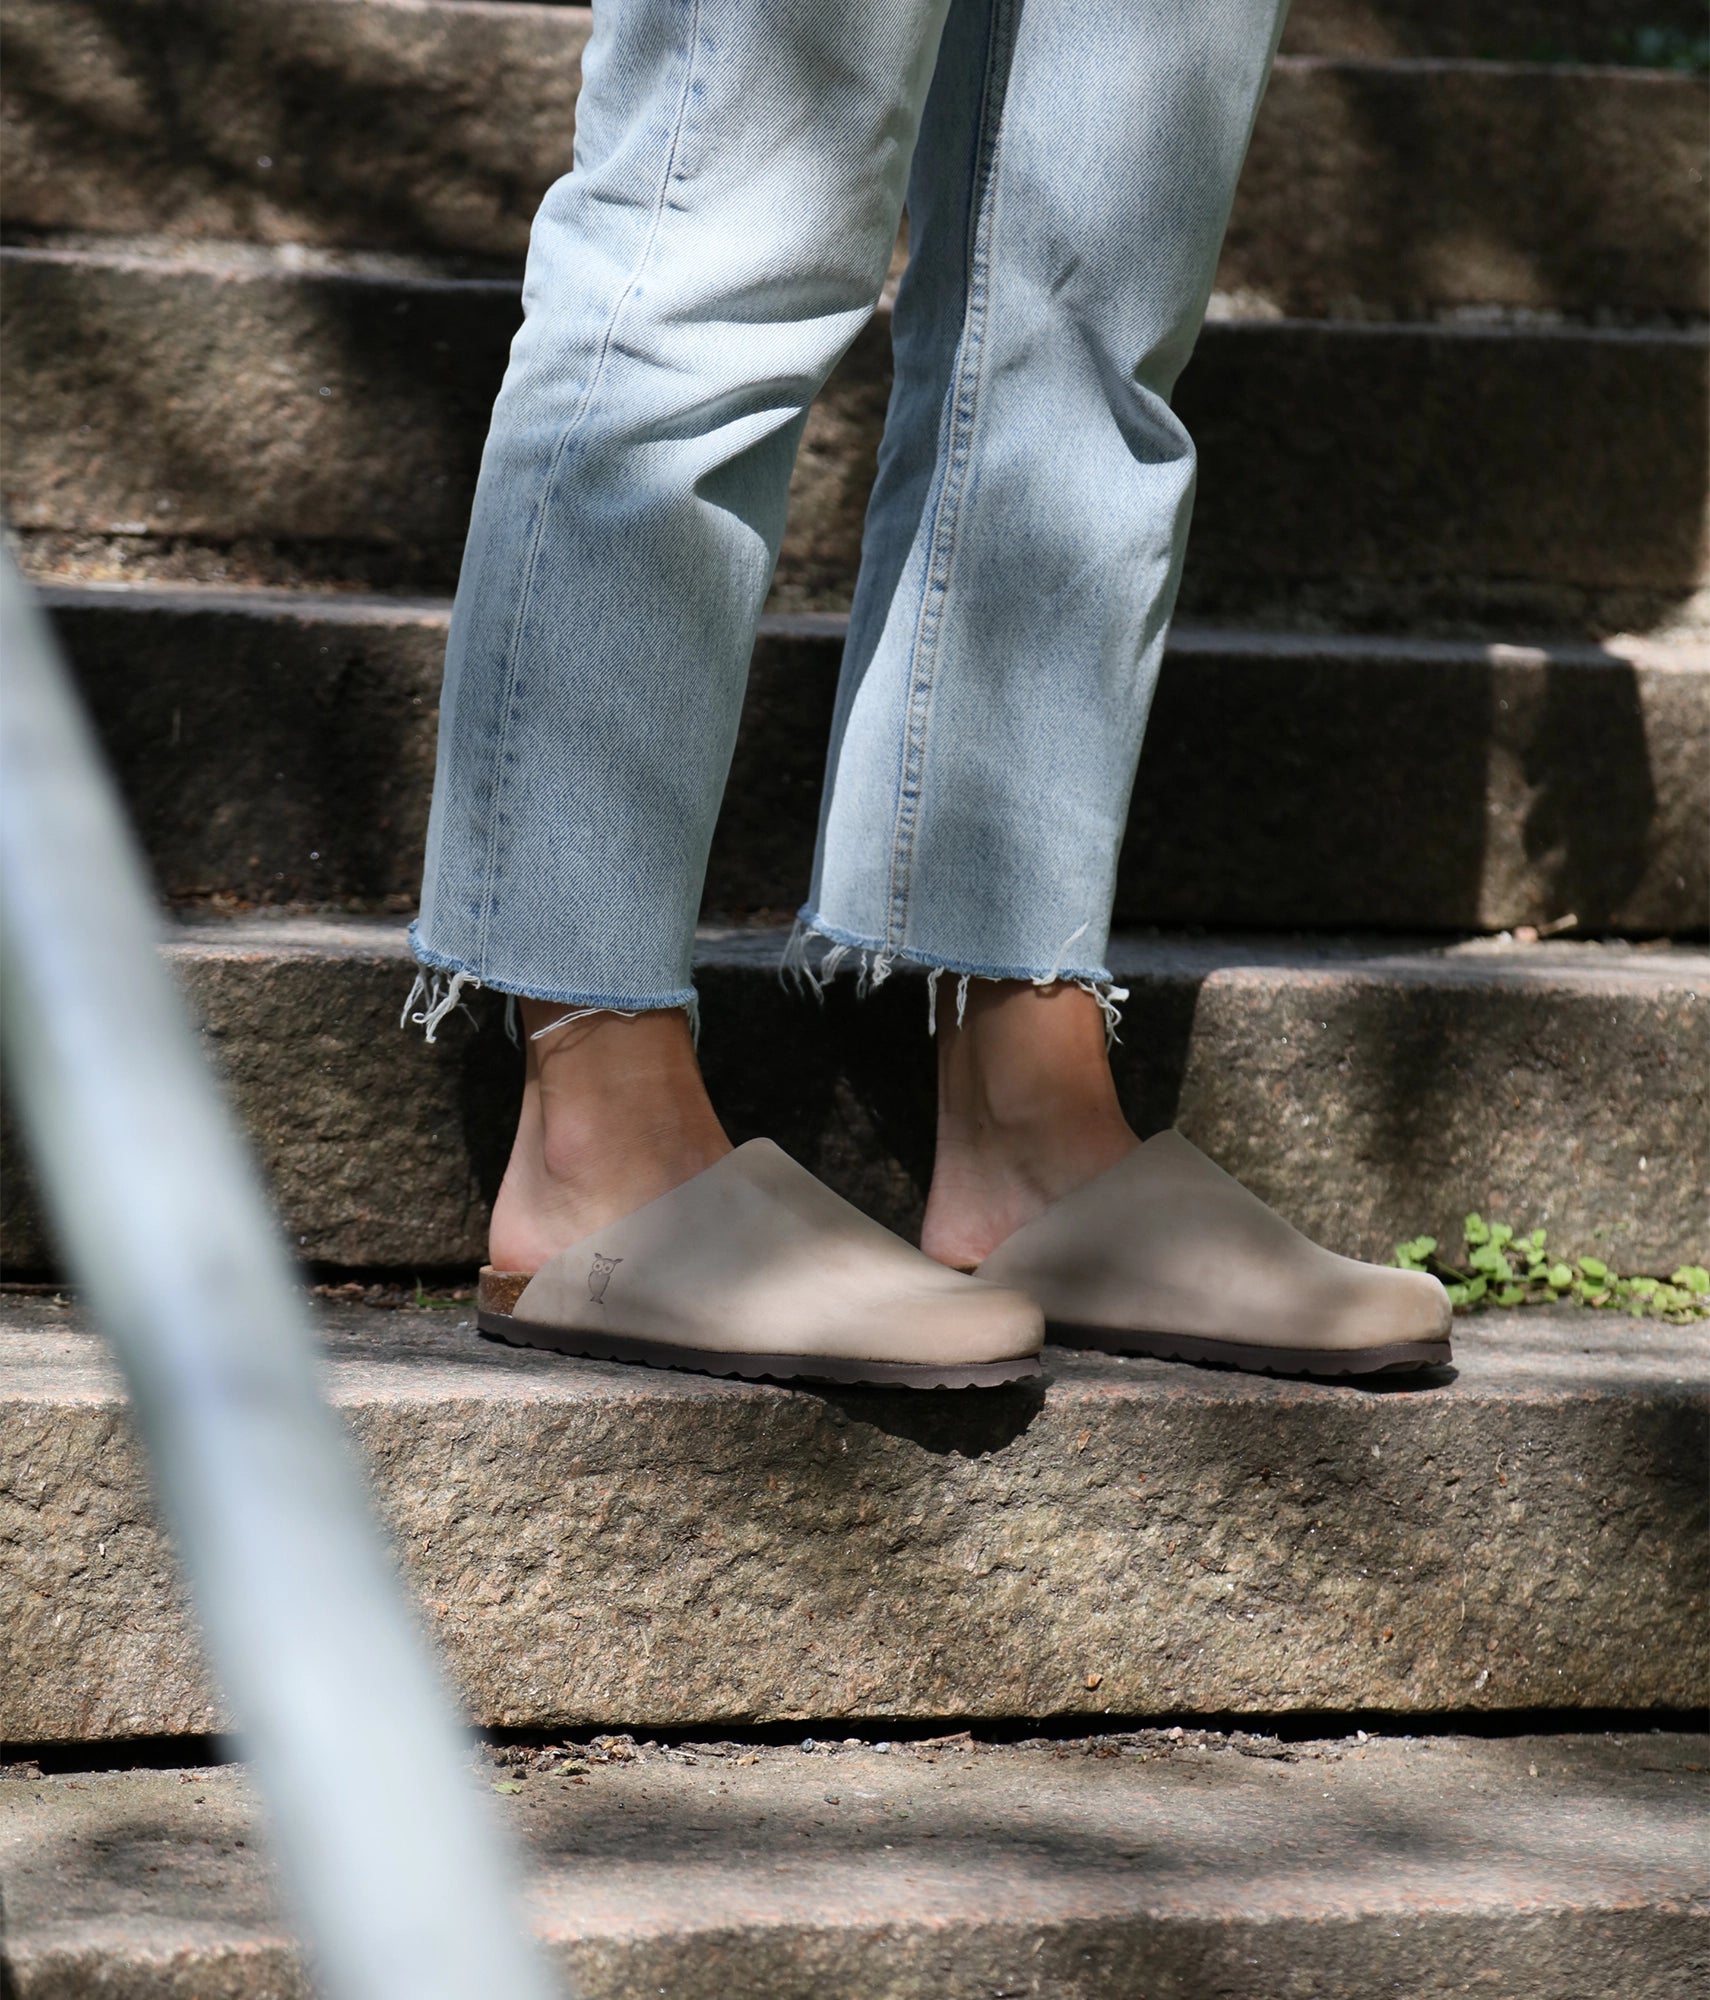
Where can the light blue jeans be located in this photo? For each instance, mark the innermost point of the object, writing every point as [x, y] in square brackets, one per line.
[740, 173]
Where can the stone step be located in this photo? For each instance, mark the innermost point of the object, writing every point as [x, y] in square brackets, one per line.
[277, 748]
[597, 1546]
[1369, 1089]
[1534, 1867]
[1416, 189]
[1667, 32]
[228, 414]
[1390, 188]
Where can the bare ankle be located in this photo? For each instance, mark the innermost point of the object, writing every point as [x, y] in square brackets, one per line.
[1027, 1111]
[614, 1115]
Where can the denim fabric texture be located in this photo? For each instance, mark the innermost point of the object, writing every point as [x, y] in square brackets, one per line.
[741, 168]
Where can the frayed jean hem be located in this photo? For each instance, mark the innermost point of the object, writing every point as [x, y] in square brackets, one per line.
[872, 963]
[441, 982]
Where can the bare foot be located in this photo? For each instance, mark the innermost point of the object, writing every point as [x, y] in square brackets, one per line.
[614, 1114]
[1027, 1111]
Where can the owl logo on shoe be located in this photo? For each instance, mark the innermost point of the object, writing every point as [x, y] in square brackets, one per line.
[600, 1277]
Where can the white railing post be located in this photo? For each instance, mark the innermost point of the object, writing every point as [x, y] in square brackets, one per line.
[402, 1889]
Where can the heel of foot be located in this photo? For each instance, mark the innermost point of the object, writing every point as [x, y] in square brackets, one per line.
[498, 1291]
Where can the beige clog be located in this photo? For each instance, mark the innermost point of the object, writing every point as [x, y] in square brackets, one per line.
[755, 1268]
[1165, 1254]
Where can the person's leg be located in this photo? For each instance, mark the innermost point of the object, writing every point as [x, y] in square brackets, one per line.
[1027, 1111]
[1071, 188]
[739, 178]
[614, 1113]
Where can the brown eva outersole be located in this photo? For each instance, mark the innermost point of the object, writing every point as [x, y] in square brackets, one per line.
[757, 1367]
[1404, 1357]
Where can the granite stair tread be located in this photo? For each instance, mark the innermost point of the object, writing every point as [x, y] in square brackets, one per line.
[1343, 1866]
[1546, 186]
[1370, 1088]
[601, 1546]
[276, 747]
[1530, 477]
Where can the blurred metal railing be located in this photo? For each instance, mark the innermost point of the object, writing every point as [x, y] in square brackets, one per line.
[402, 1889]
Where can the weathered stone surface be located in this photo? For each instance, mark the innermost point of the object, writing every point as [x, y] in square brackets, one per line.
[270, 745]
[215, 402]
[1411, 188]
[279, 749]
[1537, 1868]
[335, 411]
[437, 127]
[382, 125]
[1409, 784]
[1424, 451]
[1367, 1090]
[1553, 31]
[603, 1546]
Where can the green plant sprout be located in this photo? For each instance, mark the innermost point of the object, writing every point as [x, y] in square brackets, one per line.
[1505, 1268]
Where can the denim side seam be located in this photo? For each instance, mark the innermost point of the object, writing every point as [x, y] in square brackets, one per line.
[555, 465]
[873, 963]
[964, 398]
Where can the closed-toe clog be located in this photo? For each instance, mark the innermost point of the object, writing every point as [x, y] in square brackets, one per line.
[1166, 1254]
[755, 1268]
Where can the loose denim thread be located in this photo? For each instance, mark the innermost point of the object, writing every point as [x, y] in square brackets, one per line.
[582, 1014]
[441, 994]
[877, 964]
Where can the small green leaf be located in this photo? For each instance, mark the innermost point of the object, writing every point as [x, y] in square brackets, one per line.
[1511, 1267]
[506, 1786]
